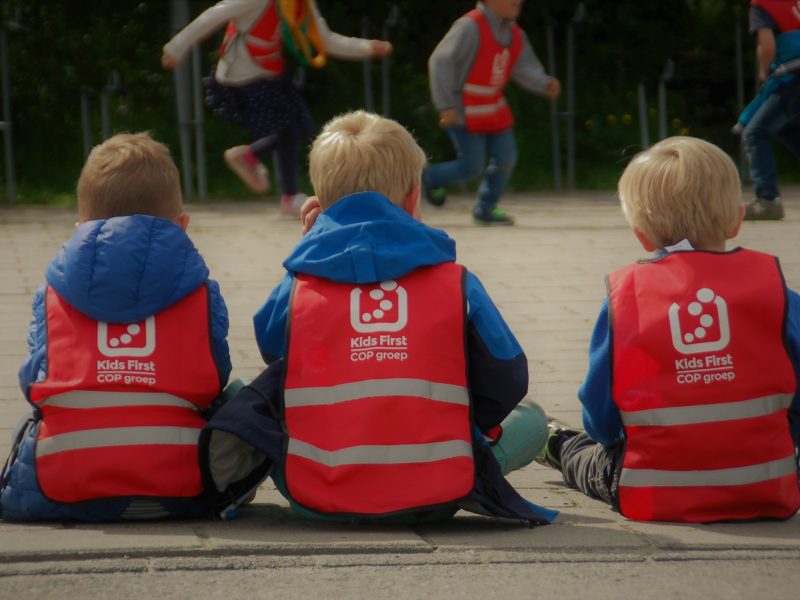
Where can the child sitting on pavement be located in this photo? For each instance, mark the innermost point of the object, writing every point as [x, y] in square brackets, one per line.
[395, 389]
[126, 350]
[690, 404]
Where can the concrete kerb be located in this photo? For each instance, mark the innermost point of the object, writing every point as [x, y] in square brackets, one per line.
[546, 275]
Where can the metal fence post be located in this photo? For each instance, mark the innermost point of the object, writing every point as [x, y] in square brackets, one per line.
[390, 23]
[643, 124]
[666, 75]
[7, 125]
[555, 137]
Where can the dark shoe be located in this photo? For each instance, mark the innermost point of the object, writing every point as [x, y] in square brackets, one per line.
[759, 209]
[491, 216]
[435, 196]
[557, 432]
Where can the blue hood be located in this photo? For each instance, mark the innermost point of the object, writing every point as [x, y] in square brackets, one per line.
[364, 238]
[125, 269]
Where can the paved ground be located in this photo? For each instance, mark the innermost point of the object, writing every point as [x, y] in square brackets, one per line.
[546, 274]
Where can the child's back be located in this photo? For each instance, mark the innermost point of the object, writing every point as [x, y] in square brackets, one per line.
[692, 385]
[127, 348]
[394, 355]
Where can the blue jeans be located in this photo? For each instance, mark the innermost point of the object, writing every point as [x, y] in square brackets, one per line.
[779, 116]
[472, 152]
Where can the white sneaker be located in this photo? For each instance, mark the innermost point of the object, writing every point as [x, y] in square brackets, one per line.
[292, 203]
[254, 175]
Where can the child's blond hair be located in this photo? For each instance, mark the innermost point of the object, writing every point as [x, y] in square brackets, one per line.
[360, 152]
[681, 188]
[129, 173]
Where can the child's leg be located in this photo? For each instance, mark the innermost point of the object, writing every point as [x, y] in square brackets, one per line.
[502, 149]
[469, 163]
[524, 435]
[590, 467]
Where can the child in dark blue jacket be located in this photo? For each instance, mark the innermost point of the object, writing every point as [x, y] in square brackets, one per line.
[126, 351]
[395, 389]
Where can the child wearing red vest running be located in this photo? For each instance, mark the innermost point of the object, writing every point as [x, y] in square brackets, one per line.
[468, 71]
[251, 86]
[127, 351]
[395, 389]
[691, 403]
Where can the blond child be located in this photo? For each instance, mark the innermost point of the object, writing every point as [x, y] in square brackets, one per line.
[389, 365]
[690, 404]
[126, 350]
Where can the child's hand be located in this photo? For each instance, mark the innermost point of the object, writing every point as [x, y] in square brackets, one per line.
[448, 118]
[168, 62]
[379, 48]
[309, 212]
[553, 90]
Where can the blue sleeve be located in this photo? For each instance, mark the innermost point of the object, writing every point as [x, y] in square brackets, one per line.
[759, 19]
[601, 417]
[34, 367]
[270, 322]
[219, 331]
[793, 339]
[498, 368]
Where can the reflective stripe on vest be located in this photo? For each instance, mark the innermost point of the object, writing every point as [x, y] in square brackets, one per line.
[707, 435]
[121, 405]
[263, 40]
[375, 398]
[485, 108]
[418, 388]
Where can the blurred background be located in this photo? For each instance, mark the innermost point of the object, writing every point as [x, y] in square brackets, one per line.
[632, 72]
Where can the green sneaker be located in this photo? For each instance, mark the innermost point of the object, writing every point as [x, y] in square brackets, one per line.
[491, 216]
[435, 196]
[759, 209]
[557, 432]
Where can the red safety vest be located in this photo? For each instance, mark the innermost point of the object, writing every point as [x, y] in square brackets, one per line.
[785, 13]
[703, 383]
[263, 40]
[377, 408]
[485, 106]
[121, 403]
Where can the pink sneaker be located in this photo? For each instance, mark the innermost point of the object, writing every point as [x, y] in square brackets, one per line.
[291, 204]
[253, 174]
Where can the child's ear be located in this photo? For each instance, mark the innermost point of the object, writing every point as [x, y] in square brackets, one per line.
[182, 221]
[644, 241]
[411, 203]
[734, 231]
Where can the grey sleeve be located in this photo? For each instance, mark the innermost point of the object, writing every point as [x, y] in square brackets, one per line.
[451, 61]
[528, 71]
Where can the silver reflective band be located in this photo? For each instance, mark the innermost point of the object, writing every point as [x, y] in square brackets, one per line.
[87, 399]
[117, 436]
[708, 413]
[381, 455]
[718, 477]
[480, 90]
[375, 388]
[483, 109]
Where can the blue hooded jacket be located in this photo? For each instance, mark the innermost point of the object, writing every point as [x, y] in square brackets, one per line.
[117, 270]
[364, 238]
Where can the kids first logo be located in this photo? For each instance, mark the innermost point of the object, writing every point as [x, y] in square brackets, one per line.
[702, 326]
[125, 344]
[379, 312]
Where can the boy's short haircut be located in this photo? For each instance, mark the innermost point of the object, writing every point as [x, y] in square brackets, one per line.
[681, 188]
[129, 174]
[364, 152]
